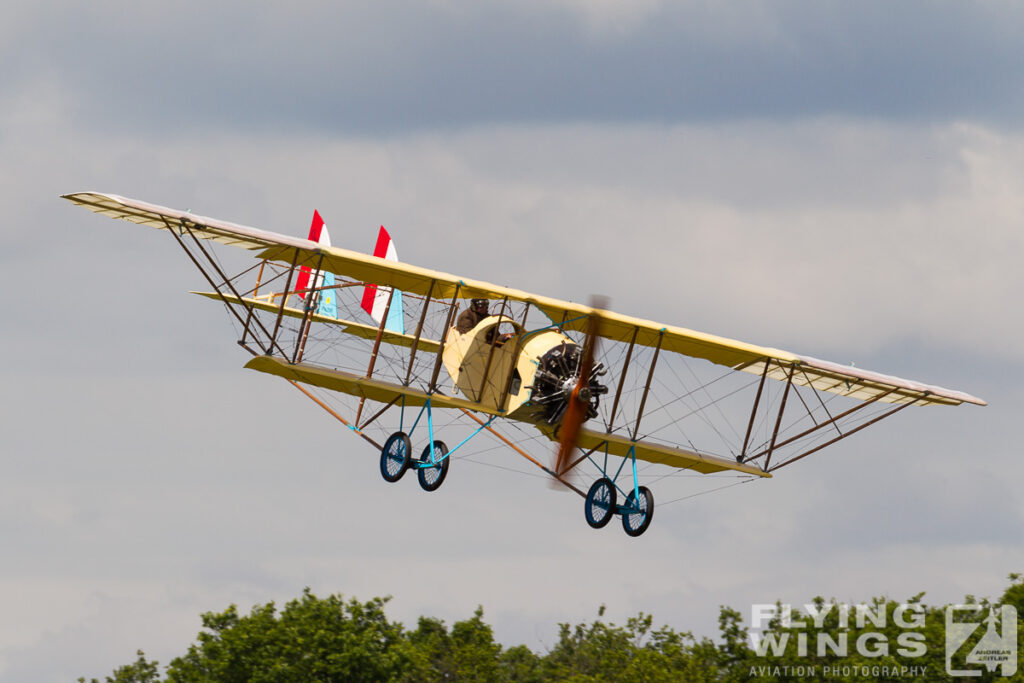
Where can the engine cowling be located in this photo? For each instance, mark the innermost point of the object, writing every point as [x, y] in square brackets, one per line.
[556, 379]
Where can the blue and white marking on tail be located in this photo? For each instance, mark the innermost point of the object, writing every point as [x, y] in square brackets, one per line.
[375, 299]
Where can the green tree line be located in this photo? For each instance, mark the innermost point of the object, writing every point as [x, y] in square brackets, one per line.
[333, 639]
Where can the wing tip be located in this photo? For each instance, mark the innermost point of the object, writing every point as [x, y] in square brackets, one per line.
[90, 193]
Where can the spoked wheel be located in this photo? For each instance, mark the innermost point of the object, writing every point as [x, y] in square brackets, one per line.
[431, 476]
[636, 517]
[395, 456]
[600, 505]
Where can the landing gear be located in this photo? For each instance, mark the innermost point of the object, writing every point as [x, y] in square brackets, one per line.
[637, 516]
[600, 507]
[395, 457]
[600, 504]
[433, 466]
[638, 510]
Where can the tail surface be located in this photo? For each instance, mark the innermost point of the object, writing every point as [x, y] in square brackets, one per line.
[375, 299]
[324, 294]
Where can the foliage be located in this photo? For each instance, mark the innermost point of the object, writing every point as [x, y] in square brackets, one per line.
[312, 639]
[140, 671]
[601, 652]
[881, 640]
[330, 639]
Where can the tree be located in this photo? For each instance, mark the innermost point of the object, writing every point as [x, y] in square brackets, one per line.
[331, 639]
[600, 652]
[140, 671]
[467, 653]
[312, 639]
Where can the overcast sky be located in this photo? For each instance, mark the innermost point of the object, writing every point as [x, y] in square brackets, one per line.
[838, 179]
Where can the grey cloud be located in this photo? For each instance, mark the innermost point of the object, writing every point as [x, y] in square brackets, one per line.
[385, 68]
[137, 450]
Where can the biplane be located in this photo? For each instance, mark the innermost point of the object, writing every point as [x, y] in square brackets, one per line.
[570, 387]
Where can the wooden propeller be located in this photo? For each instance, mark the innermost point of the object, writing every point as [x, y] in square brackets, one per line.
[579, 401]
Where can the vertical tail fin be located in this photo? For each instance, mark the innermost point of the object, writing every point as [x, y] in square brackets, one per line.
[375, 299]
[326, 299]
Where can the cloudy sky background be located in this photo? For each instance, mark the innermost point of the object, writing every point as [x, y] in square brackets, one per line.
[841, 180]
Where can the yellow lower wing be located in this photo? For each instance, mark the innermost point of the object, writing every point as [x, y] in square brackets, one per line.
[653, 452]
[387, 392]
[350, 327]
[346, 383]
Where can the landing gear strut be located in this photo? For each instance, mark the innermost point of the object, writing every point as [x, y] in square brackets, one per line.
[599, 506]
[637, 516]
[432, 466]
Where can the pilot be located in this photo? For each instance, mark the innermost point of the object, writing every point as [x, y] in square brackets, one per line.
[469, 318]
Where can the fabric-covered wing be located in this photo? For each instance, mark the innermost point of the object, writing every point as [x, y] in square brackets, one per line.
[860, 384]
[349, 326]
[388, 392]
[347, 383]
[163, 218]
[822, 375]
[656, 453]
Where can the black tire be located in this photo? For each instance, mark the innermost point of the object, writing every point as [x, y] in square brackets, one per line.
[432, 476]
[599, 507]
[395, 457]
[635, 522]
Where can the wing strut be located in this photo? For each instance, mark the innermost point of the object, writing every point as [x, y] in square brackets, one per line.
[753, 411]
[817, 395]
[844, 435]
[376, 348]
[622, 378]
[782, 409]
[307, 318]
[284, 300]
[380, 412]
[419, 331]
[184, 226]
[647, 386]
[834, 420]
[444, 337]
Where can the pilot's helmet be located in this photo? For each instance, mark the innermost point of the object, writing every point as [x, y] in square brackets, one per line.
[478, 302]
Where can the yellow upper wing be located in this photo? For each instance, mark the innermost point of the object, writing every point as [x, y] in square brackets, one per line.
[804, 370]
